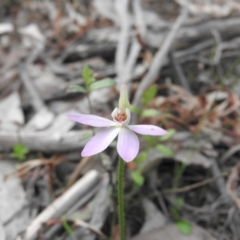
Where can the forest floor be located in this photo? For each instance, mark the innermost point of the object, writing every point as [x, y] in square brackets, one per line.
[180, 61]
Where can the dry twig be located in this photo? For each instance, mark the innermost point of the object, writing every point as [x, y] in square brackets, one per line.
[232, 184]
[63, 203]
[78, 171]
[121, 54]
[195, 185]
[45, 141]
[159, 59]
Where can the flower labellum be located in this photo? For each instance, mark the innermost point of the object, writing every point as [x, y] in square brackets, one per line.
[128, 142]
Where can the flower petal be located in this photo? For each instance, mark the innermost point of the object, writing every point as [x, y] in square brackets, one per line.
[100, 141]
[91, 120]
[148, 130]
[128, 144]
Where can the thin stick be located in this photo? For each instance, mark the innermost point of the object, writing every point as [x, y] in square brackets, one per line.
[77, 171]
[121, 7]
[159, 59]
[126, 75]
[195, 185]
[37, 102]
[220, 182]
[179, 72]
[61, 205]
[46, 141]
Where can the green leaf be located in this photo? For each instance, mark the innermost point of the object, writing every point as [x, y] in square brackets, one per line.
[150, 113]
[149, 94]
[184, 227]
[87, 76]
[174, 212]
[137, 177]
[20, 151]
[164, 150]
[134, 109]
[67, 227]
[151, 140]
[179, 202]
[141, 157]
[170, 133]
[77, 88]
[108, 82]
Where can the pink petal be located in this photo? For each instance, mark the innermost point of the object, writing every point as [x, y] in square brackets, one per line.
[91, 120]
[100, 141]
[128, 144]
[148, 130]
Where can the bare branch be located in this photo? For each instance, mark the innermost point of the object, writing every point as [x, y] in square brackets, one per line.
[159, 58]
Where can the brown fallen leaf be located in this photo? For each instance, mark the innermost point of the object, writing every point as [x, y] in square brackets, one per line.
[215, 108]
[30, 165]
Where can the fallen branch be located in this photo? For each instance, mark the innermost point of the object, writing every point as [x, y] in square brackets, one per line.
[36, 102]
[49, 234]
[159, 59]
[126, 74]
[100, 212]
[121, 7]
[46, 141]
[63, 203]
[196, 32]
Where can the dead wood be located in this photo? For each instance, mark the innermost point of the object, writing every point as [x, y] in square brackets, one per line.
[159, 58]
[46, 141]
[232, 184]
[187, 34]
[63, 203]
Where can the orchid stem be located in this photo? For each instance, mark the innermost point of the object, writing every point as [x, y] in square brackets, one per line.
[121, 198]
[90, 108]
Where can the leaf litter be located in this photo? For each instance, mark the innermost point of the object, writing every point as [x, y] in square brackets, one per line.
[45, 47]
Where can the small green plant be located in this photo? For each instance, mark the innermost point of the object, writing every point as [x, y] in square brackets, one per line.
[151, 112]
[169, 134]
[151, 142]
[154, 143]
[166, 151]
[184, 227]
[90, 82]
[136, 174]
[137, 177]
[149, 95]
[177, 207]
[67, 227]
[20, 151]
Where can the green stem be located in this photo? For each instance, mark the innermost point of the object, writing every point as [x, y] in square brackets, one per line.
[121, 198]
[90, 108]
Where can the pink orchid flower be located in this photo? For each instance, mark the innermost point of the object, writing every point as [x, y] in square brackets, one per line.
[128, 142]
